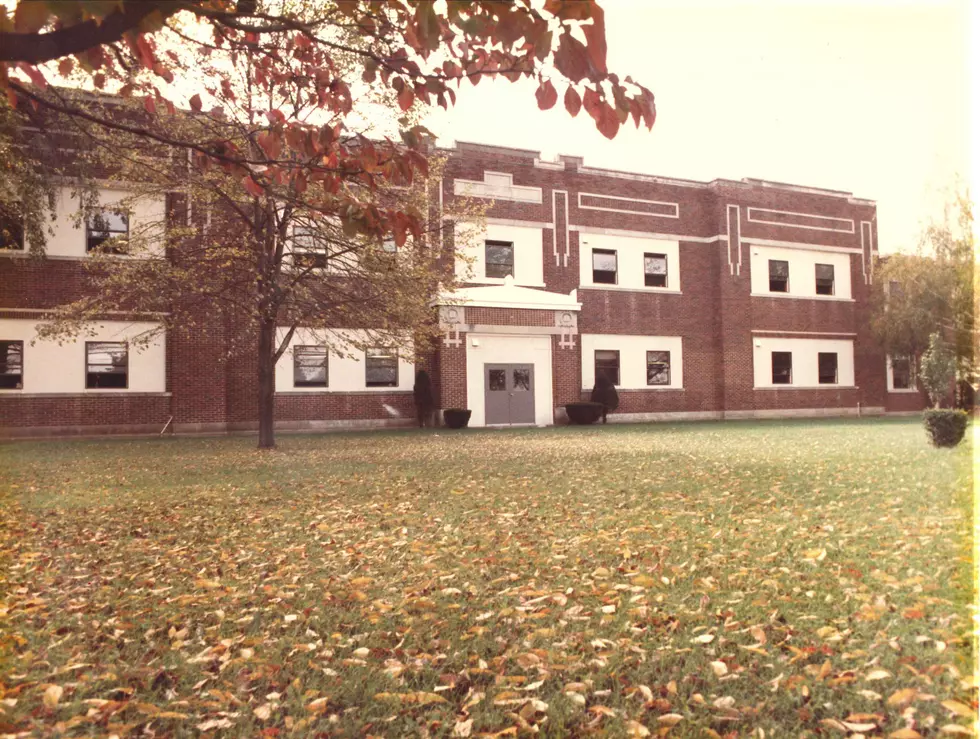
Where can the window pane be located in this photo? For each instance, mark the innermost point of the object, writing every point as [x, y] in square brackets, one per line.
[901, 373]
[655, 270]
[827, 368]
[825, 279]
[499, 258]
[604, 260]
[779, 269]
[658, 368]
[782, 368]
[103, 225]
[522, 380]
[498, 379]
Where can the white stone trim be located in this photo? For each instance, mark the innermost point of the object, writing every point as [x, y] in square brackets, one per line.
[509, 295]
[618, 288]
[806, 387]
[665, 416]
[542, 164]
[676, 206]
[645, 234]
[804, 412]
[790, 296]
[800, 245]
[491, 221]
[797, 225]
[802, 333]
[636, 177]
[496, 190]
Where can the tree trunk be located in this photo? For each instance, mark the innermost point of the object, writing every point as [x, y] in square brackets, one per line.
[267, 384]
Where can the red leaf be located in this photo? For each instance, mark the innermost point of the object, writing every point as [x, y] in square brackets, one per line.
[65, 66]
[572, 59]
[573, 103]
[406, 97]
[608, 121]
[595, 35]
[547, 95]
[591, 102]
[253, 187]
[150, 104]
[271, 144]
[196, 103]
[648, 108]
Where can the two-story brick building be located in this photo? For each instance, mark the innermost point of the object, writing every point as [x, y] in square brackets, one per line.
[725, 299]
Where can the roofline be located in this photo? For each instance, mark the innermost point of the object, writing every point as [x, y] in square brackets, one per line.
[562, 162]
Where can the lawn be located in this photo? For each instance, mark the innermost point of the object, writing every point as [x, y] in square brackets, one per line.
[717, 579]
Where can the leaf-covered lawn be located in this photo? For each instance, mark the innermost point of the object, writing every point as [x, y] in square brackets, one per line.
[707, 579]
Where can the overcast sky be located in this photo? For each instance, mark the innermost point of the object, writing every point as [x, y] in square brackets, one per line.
[866, 96]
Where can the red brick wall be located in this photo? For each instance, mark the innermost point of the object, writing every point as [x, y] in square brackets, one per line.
[125, 412]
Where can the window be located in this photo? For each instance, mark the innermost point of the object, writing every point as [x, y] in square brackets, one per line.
[107, 230]
[11, 227]
[309, 248]
[500, 258]
[604, 266]
[11, 365]
[825, 279]
[778, 276]
[381, 368]
[827, 368]
[655, 270]
[607, 365]
[782, 368]
[901, 373]
[658, 368]
[106, 364]
[310, 366]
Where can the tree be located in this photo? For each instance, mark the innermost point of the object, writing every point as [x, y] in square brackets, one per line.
[937, 370]
[932, 290]
[277, 135]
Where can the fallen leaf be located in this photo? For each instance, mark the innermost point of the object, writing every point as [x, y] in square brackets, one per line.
[52, 695]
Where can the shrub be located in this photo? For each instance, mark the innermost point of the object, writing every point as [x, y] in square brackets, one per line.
[456, 418]
[582, 414]
[937, 369]
[424, 400]
[604, 392]
[945, 426]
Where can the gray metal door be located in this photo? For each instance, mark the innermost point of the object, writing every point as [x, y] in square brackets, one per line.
[509, 391]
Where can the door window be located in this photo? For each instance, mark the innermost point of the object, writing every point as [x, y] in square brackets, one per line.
[498, 379]
[522, 380]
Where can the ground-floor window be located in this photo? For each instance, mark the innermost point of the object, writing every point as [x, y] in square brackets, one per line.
[381, 368]
[106, 364]
[658, 368]
[11, 364]
[310, 366]
[901, 373]
[607, 365]
[782, 368]
[827, 368]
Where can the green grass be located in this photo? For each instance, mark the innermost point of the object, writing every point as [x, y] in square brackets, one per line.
[697, 580]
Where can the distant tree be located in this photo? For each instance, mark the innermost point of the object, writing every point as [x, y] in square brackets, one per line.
[605, 392]
[424, 398]
[932, 290]
[937, 370]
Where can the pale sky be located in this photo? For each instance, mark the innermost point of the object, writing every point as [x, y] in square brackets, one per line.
[866, 96]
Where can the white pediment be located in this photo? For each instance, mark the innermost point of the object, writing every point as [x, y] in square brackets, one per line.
[510, 295]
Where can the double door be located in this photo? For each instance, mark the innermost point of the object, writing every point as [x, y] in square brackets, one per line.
[509, 392]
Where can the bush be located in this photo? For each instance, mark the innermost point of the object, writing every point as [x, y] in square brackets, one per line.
[604, 393]
[582, 414]
[945, 426]
[424, 399]
[456, 418]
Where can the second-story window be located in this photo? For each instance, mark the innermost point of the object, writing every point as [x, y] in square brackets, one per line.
[658, 368]
[11, 227]
[827, 368]
[778, 276]
[499, 259]
[309, 248]
[604, 266]
[107, 230]
[825, 279]
[655, 270]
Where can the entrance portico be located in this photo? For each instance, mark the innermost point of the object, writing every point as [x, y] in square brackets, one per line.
[500, 347]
